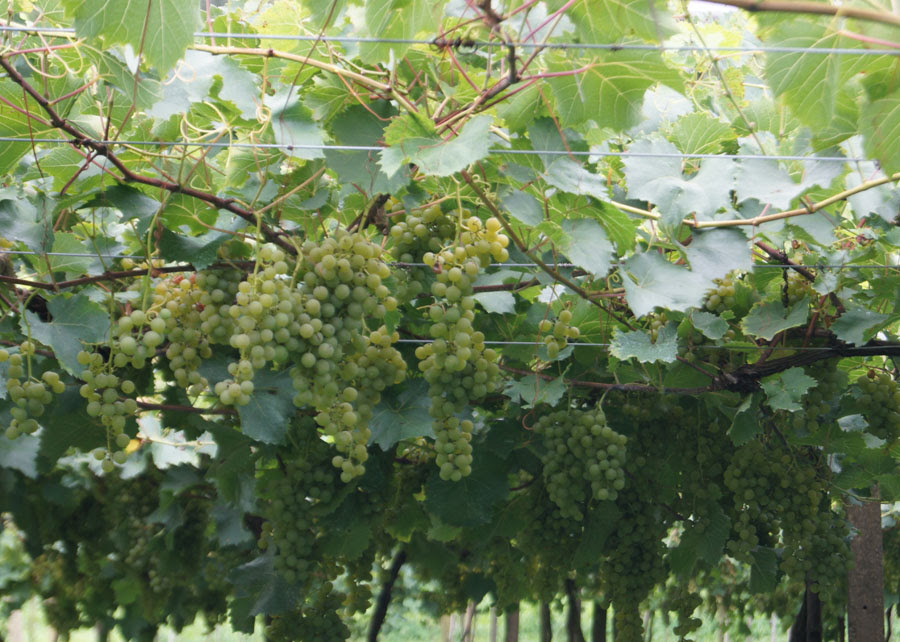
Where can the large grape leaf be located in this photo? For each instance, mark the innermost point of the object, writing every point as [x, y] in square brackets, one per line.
[880, 123]
[701, 133]
[588, 246]
[470, 501]
[858, 324]
[610, 89]
[786, 389]
[14, 123]
[651, 281]
[402, 416]
[293, 125]
[400, 19]
[612, 20]
[715, 253]
[161, 29]
[639, 345]
[271, 406]
[414, 140]
[76, 320]
[258, 589]
[809, 81]
[660, 180]
[767, 319]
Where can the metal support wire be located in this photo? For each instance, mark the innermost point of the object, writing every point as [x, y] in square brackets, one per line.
[819, 266]
[376, 148]
[489, 44]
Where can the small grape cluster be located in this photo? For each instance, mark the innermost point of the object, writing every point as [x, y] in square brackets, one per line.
[32, 396]
[796, 287]
[103, 391]
[819, 402]
[318, 620]
[721, 298]
[880, 401]
[557, 334]
[684, 602]
[583, 459]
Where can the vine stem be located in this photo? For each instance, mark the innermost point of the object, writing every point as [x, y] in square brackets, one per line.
[805, 6]
[800, 211]
[312, 62]
[384, 596]
[146, 405]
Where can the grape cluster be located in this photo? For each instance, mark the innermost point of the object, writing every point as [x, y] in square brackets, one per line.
[796, 287]
[780, 499]
[557, 334]
[721, 298]
[880, 401]
[682, 601]
[457, 365]
[317, 621]
[31, 396]
[635, 563]
[299, 489]
[103, 390]
[819, 402]
[583, 459]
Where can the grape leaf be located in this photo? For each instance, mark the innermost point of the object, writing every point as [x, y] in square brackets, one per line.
[701, 133]
[786, 389]
[880, 123]
[858, 324]
[199, 251]
[600, 522]
[588, 246]
[20, 454]
[660, 180]
[76, 320]
[616, 80]
[470, 501]
[763, 570]
[533, 390]
[161, 29]
[639, 345]
[522, 206]
[258, 588]
[651, 281]
[293, 124]
[271, 406]
[711, 325]
[745, 425]
[414, 142]
[715, 253]
[572, 177]
[766, 319]
[403, 415]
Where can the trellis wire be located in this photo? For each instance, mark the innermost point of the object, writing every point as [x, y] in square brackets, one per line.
[485, 44]
[817, 266]
[724, 346]
[376, 148]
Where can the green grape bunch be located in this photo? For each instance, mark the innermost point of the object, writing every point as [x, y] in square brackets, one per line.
[583, 459]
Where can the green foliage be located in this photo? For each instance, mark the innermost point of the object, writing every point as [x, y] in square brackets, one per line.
[280, 313]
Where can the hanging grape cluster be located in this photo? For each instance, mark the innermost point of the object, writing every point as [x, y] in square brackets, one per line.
[583, 459]
[880, 402]
[31, 396]
[457, 365]
[558, 333]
